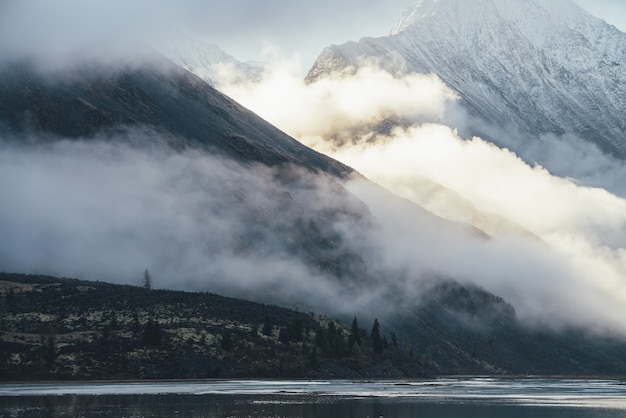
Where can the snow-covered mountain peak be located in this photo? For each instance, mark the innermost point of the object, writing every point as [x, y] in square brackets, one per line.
[541, 22]
[560, 29]
[422, 9]
[534, 17]
[535, 66]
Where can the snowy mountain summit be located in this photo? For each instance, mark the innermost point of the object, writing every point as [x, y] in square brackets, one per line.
[526, 66]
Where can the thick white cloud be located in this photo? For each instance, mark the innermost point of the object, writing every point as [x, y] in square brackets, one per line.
[337, 104]
[558, 247]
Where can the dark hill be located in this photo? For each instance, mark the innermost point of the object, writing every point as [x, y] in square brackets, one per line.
[462, 329]
[53, 328]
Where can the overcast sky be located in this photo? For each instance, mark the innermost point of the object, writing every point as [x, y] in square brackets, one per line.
[242, 27]
[302, 27]
[613, 11]
[307, 27]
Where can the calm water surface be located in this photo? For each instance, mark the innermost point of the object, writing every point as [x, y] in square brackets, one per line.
[441, 398]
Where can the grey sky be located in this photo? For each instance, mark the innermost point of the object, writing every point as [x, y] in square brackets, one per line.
[307, 27]
[241, 27]
[302, 27]
[613, 11]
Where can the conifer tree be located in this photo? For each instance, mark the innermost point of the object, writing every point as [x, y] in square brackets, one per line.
[355, 333]
[147, 279]
[283, 336]
[394, 341]
[50, 354]
[377, 341]
[152, 333]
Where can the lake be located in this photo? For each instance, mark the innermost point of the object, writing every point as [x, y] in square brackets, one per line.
[439, 398]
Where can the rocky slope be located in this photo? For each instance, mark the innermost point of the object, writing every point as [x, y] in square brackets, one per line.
[525, 66]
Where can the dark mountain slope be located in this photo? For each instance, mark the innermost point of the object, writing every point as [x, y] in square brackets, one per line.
[465, 330]
[160, 97]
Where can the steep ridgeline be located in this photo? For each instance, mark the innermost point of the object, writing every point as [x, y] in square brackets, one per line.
[528, 65]
[181, 110]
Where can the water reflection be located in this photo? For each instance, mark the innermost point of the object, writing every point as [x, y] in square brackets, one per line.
[451, 398]
[211, 406]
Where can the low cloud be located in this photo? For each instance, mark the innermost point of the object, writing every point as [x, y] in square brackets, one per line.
[339, 106]
[106, 211]
[66, 32]
[557, 246]
[61, 32]
[102, 210]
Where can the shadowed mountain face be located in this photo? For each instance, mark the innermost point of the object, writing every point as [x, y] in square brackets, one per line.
[465, 330]
[184, 111]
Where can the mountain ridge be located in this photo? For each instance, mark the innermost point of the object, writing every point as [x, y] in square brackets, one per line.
[570, 83]
[79, 103]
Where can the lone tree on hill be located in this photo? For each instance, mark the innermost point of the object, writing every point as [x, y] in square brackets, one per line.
[147, 280]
